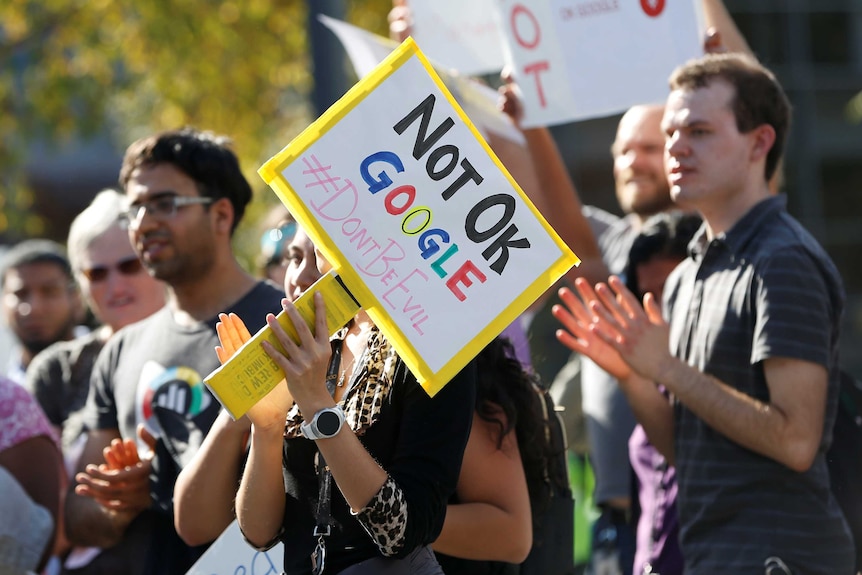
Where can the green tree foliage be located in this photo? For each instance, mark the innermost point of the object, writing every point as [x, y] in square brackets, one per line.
[73, 68]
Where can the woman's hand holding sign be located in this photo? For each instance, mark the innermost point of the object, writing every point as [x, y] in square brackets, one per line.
[304, 362]
[272, 409]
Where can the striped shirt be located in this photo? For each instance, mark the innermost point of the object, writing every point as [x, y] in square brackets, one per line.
[763, 289]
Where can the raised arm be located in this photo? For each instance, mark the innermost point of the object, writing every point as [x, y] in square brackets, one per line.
[359, 477]
[205, 491]
[718, 20]
[260, 499]
[554, 193]
[787, 428]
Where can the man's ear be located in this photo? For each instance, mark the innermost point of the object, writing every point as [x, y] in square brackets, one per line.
[763, 138]
[222, 211]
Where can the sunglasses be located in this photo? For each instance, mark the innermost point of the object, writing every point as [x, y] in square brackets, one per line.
[127, 267]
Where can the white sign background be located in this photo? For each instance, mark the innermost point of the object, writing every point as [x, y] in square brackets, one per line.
[447, 327]
[231, 555]
[367, 50]
[463, 35]
[575, 60]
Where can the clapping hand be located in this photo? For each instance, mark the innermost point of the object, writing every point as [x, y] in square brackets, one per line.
[122, 483]
[271, 411]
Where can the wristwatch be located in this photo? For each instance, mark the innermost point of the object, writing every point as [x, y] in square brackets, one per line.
[326, 423]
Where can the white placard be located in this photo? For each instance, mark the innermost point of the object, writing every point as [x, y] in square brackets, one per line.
[366, 50]
[424, 225]
[463, 35]
[575, 60]
[231, 555]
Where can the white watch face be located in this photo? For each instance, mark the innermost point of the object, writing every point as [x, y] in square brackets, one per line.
[328, 423]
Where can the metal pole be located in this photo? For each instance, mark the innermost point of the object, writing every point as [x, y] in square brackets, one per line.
[327, 55]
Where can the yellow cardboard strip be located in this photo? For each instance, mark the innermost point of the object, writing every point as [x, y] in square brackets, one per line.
[250, 373]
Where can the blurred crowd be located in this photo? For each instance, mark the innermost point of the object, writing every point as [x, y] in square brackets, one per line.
[691, 360]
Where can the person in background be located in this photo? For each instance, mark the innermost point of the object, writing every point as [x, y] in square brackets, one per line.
[206, 488]
[31, 476]
[492, 496]
[119, 292]
[658, 249]
[279, 230]
[185, 195]
[41, 303]
[642, 190]
[748, 352]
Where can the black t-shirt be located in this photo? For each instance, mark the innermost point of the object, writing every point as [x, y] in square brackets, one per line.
[152, 372]
[59, 379]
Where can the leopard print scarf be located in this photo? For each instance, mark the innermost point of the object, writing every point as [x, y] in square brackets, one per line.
[369, 388]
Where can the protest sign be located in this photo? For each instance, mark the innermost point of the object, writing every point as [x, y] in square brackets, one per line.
[463, 36]
[366, 50]
[426, 228]
[579, 59]
[251, 373]
[231, 555]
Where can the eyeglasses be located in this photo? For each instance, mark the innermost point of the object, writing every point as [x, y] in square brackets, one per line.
[161, 207]
[127, 267]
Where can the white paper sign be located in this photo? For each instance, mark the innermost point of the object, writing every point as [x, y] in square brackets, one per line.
[463, 35]
[366, 50]
[231, 555]
[428, 231]
[579, 59]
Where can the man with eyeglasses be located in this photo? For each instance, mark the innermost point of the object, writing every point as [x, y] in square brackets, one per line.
[185, 195]
[41, 303]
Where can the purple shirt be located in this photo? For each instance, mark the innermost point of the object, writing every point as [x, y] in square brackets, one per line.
[518, 338]
[658, 526]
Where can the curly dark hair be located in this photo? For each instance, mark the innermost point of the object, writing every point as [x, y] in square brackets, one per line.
[504, 384]
[664, 235]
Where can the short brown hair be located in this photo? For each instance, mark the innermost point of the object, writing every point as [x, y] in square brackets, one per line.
[759, 99]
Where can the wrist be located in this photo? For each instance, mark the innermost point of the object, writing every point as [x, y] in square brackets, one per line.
[227, 424]
[267, 434]
[325, 423]
[309, 406]
[664, 374]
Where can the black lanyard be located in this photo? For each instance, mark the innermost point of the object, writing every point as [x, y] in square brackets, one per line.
[322, 527]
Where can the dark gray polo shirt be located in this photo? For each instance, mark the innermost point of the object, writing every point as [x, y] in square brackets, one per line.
[764, 289]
